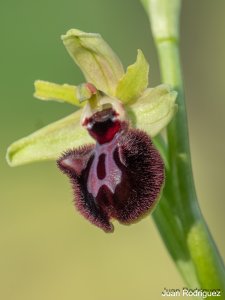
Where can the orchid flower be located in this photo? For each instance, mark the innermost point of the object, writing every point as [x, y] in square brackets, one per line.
[105, 146]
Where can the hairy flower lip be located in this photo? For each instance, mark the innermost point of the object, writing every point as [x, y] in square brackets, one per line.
[132, 191]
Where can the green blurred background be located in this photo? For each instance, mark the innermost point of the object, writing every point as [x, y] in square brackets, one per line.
[48, 251]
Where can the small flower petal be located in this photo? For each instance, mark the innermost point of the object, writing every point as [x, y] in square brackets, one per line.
[45, 90]
[99, 64]
[135, 81]
[154, 109]
[49, 142]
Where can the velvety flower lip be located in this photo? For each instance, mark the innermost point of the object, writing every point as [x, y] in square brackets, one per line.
[121, 176]
[128, 195]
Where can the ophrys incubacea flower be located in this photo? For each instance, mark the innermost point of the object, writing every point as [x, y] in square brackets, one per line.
[121, 175]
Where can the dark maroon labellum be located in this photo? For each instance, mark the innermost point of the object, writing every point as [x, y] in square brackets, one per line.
[118, 178]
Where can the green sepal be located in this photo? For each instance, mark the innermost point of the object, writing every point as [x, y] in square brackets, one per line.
[134, 81]
[49, 142]
[154, 109]
[99, 64]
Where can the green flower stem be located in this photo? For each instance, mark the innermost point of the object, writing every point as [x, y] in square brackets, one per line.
[202, 250]
[178, 216]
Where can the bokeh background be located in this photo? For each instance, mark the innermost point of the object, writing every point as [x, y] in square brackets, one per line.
[47, 250]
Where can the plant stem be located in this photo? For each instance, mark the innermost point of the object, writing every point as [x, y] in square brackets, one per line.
[178, 216]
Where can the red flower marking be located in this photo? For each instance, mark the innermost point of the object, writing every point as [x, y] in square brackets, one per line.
[101, 172]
